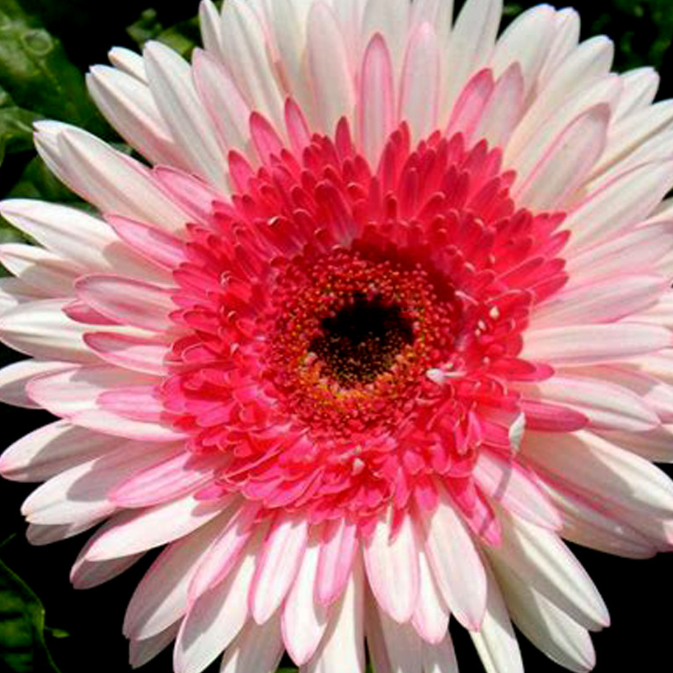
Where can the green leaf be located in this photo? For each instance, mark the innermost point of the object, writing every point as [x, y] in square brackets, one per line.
[182, 36]
[22, 644]
[16, 128]
[37, 74]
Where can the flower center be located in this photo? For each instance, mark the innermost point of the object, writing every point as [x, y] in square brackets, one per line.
[362, 340]
[353, 338]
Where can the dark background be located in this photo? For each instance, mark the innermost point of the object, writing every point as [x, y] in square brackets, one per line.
[638, 593]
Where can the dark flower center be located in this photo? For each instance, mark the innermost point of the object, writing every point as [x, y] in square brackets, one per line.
[362, 340]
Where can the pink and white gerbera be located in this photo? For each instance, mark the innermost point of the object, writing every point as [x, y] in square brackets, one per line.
[383, 318]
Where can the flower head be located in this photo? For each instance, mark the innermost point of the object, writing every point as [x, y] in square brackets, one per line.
[386, 317]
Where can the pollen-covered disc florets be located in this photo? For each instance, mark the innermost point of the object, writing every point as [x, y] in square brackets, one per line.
[352, 351]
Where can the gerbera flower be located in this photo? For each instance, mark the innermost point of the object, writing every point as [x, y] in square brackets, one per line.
[385, 318]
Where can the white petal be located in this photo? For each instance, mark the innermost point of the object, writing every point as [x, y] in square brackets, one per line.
[153, 527]
[589, 344]
[604, 471]
[278, 565]
[391, 562]
[332, 81]
[161, 597]
[89, 243]
[342, 647]
[638, 91]
[546, 626]
[588, 525]
[244, 47]
[589, 62]
[15, 377]
[304, 619]
[496, 641]
[515, 489]
[526, 41]
[601, 302]
[541, 558]
[419, 88]
[431, 617]
[453, 557]
[566, 162]
[607, 405]
[470, 46]
[215, 619]
[52, 449]
[624, 201]
[170, 80]
[43, 272]
[403, 645]
[128, 105]
[80, 493]
[43, 330]
[258, 649]
[107, 178]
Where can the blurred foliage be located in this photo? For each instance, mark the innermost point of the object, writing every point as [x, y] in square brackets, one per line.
[23, 647]
[182, 37]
